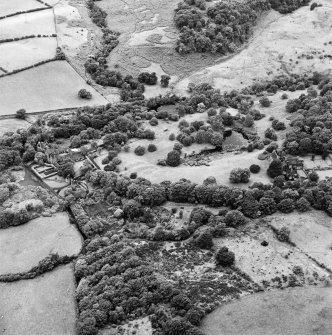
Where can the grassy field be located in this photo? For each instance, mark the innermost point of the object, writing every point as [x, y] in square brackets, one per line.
[305, 311]
[16, 55]
[220, 165]
[24, 246]
[277, 110]
[13, 6]
[311, 232]
[219, 168]
[47, 87]
[44, 305]
[41, 22]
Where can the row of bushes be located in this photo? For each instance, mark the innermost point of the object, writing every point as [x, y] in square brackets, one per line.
[6, 40]
[317, 194]
[44, 3]
[28, 67]
[24, 12]
[286, 83]
[45, 265]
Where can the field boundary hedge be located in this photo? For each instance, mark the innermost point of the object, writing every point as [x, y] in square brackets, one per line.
[15, 39]
[29, 67]
[45, 265]
[25, 12]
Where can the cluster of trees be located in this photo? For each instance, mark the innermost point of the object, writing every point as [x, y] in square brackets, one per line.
[224, 26]
[311, 131]
[278, 125]
[88, 227]
[65, 166]
[173, 158]
[98, 16]
[287, 6]
[214, 225]
[258, 200]
[199, 132]
[97, 67]
[148, 78]
[265, 102]
[221, 29]
[16, 216]
[84, 94]
[9, 157]
[286, 83]
[118, 284]
[164, 80]
[21, 114]
[239, 175]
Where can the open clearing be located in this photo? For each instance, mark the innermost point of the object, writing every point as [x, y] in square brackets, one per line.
[41, 22]
[11, 125]
[33, 49]
[305, 311]
[40, 306]
[266, 263]
[274, 49]
[277, 110]
[311, 232]
[47, 87]
[219, 168]
[22, 247]
[220, 165]
[13, 6]
[140, 326]
[71, 33]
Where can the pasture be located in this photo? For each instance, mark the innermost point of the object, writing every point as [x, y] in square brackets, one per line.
[293, 311]
[27, 52]
[39, 306]
[41, 22]
[47, 87]
[22, 247]
[13, 6]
